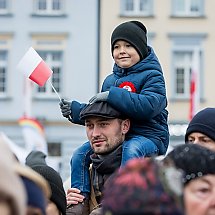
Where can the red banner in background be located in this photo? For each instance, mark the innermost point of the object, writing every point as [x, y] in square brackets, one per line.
[194, 85]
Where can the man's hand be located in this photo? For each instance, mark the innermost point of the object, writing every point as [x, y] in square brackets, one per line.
[73, 196]
[99, 97]
[65, 108]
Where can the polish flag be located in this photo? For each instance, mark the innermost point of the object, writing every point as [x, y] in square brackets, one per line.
[194, 85]
[34, 67]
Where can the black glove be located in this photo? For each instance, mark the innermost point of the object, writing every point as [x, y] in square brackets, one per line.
[65, 107]
[99, 97]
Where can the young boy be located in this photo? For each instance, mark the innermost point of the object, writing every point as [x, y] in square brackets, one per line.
[136, 88]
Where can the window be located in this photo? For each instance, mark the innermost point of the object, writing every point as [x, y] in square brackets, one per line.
[54, 149]
[51, 49]
[55, 153]
[136, 7]
[182, 69]
[4, 7]
[49, 7]
[3, 71]
[5, 47]
[192, 8]
[54, 60]
[187, 56]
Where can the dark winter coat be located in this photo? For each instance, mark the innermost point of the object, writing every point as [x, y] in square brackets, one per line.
[139, 92]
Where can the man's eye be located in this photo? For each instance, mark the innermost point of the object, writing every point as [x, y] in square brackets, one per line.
[206, 140]
[103, 124]
[89, 125]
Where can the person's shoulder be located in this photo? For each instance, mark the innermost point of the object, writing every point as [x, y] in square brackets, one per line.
[97, 211]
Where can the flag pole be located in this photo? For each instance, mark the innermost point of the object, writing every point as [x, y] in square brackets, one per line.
[27, 98]
[54, 89]
[69, 117]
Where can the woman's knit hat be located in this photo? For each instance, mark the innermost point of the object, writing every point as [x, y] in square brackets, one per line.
[37, 188]
[133, 32]
[195, 160]
[143, 186]
[203, 122]
[11, 186]
[36, 160]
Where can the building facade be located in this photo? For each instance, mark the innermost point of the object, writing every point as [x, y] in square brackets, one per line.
[73, 37]
[182, 34]
[64, 33]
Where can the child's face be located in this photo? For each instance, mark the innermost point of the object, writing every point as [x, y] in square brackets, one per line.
[124, 54]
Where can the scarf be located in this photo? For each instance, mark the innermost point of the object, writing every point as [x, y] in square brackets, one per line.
[102, 168]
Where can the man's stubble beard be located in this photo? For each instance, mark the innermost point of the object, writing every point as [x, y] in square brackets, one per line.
[110, 147]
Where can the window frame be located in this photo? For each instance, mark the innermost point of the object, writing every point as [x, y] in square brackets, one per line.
[187, 43]
[186, 65]
[7, 9]
[50, 44]
[6, 45]
[4, 65]
[186, 95]
[49, 11]
[187, 12]
[49, 92]
[136, 11]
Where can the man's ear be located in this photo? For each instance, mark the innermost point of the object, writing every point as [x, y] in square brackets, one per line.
[125, 126]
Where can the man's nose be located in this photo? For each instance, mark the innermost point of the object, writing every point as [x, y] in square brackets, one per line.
[96, 131]
[196, 141]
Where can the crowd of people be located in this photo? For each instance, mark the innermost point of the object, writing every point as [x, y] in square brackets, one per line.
[137, 77]
[117, 171]
[183, 183]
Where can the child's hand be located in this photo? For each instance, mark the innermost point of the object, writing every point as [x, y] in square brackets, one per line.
[99, 97]
[65, 107]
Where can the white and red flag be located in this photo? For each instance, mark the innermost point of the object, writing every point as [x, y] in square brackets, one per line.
[34, 67]
[194, 85]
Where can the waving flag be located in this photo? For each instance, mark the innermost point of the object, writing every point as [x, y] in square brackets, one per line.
[34, 67]
[34, 134]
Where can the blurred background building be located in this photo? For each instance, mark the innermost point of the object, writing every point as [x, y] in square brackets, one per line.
[73, 37]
